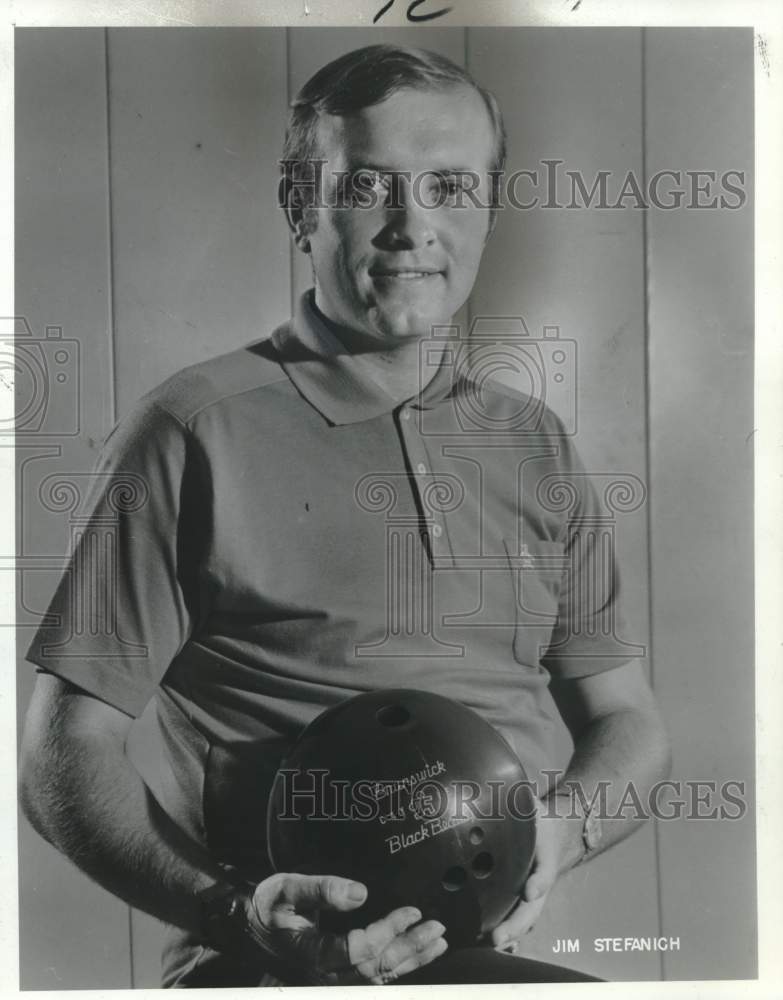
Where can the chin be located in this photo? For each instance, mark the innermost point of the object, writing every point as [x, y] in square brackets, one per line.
[409, 326]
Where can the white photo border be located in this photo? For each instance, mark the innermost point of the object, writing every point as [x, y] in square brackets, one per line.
[766, 18]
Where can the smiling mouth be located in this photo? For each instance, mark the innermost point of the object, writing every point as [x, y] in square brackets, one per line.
[404, 275]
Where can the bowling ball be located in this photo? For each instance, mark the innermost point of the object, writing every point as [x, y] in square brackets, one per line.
[416, 796]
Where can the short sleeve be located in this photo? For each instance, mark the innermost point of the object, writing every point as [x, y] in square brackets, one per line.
[589, 634]
[121, 611]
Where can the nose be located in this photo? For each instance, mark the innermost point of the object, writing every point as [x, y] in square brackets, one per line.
[409, 225]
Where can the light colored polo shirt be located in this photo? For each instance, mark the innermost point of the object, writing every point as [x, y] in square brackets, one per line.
[270, 534]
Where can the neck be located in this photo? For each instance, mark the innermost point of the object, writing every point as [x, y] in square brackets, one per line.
[396, 369]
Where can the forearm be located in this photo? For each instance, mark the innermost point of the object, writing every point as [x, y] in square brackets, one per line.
[84, 796]
[617, 759]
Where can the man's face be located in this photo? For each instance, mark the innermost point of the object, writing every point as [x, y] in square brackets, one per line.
[392, 270]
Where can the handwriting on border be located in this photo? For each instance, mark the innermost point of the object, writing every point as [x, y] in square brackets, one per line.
[412, 15]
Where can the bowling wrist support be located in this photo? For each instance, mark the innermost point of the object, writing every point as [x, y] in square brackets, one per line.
[228, 927]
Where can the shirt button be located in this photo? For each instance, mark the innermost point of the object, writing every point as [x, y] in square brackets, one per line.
[437, 531]
[421, 468]
[405, 413]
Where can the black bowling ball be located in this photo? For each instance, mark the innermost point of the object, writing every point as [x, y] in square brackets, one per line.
[417, 797]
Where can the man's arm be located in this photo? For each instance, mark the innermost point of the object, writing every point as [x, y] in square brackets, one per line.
[82, 794]
[619, 738]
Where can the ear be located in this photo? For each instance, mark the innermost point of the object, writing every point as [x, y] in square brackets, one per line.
[296, 217]
[302, 236]
[493, 221]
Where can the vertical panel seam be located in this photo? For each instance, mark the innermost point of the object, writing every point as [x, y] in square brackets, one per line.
[110, 237]
[131, 950]
[111, 342]
[648, 449]
[466, 65]
[288, 98]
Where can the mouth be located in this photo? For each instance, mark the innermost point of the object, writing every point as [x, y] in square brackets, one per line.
[403, 274]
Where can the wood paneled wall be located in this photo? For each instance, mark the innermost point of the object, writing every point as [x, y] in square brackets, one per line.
[700, 114]
[147, 228]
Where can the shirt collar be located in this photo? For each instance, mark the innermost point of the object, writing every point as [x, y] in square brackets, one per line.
[331, 379]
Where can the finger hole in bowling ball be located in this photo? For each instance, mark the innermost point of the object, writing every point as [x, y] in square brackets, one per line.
[483, 864]
[393, 715]
[454, 879]
[476, 835]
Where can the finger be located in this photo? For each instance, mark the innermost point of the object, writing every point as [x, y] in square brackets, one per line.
[547, 864]
[521, 920]
[369, 943]
[405, 946]
[434, 950]
[410, 950]
[537, 886]
[322, 892]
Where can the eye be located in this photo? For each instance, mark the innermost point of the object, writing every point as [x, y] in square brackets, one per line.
[451, 185]
[442, 189]
[378, 181]
[368, 187]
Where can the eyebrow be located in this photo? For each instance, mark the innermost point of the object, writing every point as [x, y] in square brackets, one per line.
[354, 167]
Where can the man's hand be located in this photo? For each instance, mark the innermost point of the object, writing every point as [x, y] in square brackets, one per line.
[619, 737]
[554, 842]
[283, 917]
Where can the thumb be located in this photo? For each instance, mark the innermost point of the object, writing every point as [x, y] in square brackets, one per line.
[324, 892]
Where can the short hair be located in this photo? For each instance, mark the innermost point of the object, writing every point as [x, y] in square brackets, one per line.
[361, 79]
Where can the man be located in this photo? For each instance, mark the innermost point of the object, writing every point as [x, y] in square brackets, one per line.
[256, 574]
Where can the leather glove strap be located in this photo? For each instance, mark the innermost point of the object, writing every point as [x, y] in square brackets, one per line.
[229, 927]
